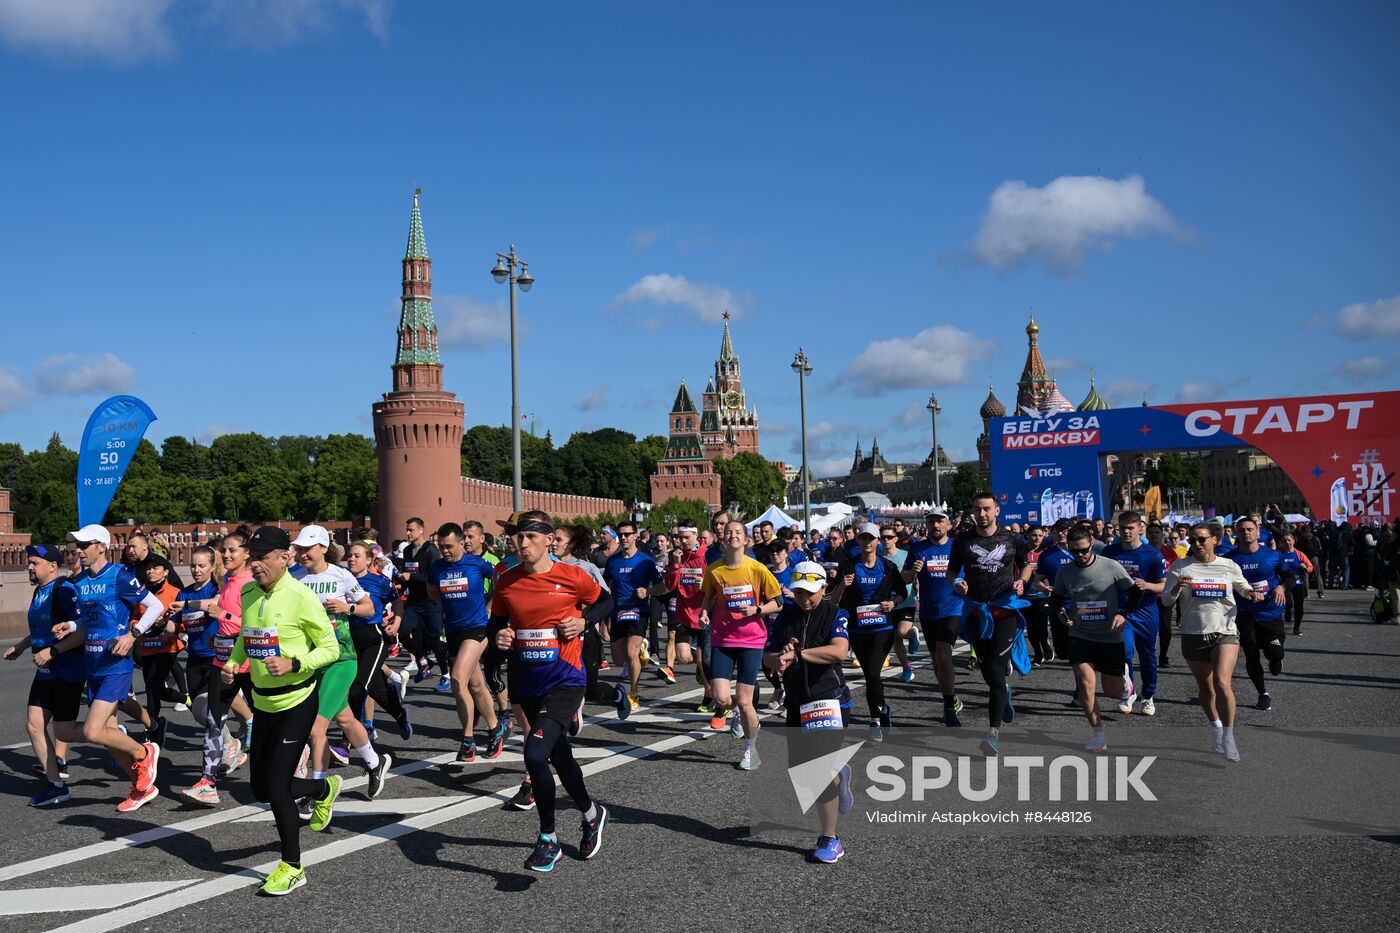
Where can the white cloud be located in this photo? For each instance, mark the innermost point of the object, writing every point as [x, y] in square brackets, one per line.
[648, 236]
[465, 322]
[709, 302]
[75, 374]
[15, 393]
[939, 356]
[593, 400]
[1365, 368]
[1065, 364]
[915, 413]
[1369, 321]
[1199, 390]
[1122, 393]
[266, 23]
[209, 432]
[1062, 222]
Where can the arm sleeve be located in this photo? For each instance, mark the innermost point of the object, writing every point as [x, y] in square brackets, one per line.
[151, 611]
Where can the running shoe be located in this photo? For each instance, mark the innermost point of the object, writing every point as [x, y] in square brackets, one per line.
[1125, 702]
[845, 801]
[877, 734]
[284, 880]
[304, 808]
[341, 754]
[51, 796]
[1228, 747]
[524, 798]
[1265, 703]
[736, 724]
[622, 702]
[829, 850]
[991, 746]
[323, 809]
[592, 842]
[401, 685]
[634, 700]
[62, 768]
[138, 798]
[1275, 666]
[1098, 742]
[645, 657]
[143, 772]
[156, 734]
[907, 675]
[405, 727]
[913, 641]
[303, 761]
[444, 685]
[603, 665]
[378, 774]
[496, 740]
[706, 707]
[887, 716]
[576, 720]
[394, 650]
[370, 731]
[422, 673]
[1164, 661]
[776, 703]
[467, 753]
[1217, 740]
[666, 674]
[950, 713]
[203, 792]
[720, 717]
[183, 706]
[546, 853]
[1010, 714]
[750, 760]
[1149, 707]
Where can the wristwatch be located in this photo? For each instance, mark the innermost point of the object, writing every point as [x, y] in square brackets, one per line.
[296, 665]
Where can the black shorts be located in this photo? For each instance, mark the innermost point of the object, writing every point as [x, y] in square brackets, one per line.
[60, 697]
[900, 616]
[455, 640]
[943, 630]
[1267, 637]
[618, 629]
[1106, 657]
[201, 675]
[559, 704]
[1200, 647]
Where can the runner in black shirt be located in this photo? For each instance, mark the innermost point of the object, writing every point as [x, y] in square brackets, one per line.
[422, 618]
[985, 565]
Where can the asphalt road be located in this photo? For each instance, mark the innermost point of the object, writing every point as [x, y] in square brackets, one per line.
[437, 850]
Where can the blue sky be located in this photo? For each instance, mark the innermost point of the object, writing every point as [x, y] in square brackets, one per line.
[207, 199]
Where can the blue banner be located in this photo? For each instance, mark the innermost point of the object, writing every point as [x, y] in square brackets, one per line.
[109, 442]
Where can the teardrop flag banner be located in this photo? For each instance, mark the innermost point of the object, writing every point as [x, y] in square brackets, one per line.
[109, 442]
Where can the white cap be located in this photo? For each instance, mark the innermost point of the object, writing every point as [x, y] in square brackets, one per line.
[809, 568]
[90, 533]
[312, 534]
[869, 528]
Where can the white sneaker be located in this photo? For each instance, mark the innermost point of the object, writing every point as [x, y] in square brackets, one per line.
[1217, 741]
[1149, 707]
[750, 760]
[1227, 747]
[1125, 702]
[1098, 742]
[736, 724]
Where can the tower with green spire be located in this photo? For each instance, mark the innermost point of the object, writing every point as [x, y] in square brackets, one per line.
[727, 425]
[1094, 401]
[418, 426]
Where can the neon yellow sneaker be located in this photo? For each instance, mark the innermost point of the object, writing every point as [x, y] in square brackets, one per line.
[322, 809]
[284, 880]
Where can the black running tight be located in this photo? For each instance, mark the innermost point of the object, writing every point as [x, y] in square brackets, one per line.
[371, 650]
[548, 745]
[278, 739]
[994, 655]
[871, 651]
[156, 670]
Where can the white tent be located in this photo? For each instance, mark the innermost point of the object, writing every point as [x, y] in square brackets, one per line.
[777, 516]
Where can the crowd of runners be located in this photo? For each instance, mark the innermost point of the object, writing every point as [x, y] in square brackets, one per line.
[279, 648]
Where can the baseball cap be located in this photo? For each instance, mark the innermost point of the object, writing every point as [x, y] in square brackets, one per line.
[271, 538]
[90, 533]
[44, 552]
[309, 535]
[869, 528]
[936, 513]
[1063, 524]
[508, 523]
[809, 576]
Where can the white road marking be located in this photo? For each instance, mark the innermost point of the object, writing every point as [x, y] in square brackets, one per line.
[385, 806]
[82, 897]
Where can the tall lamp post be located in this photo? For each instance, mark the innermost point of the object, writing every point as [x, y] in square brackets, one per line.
[505, 271]
[933, 410]
[803, 367]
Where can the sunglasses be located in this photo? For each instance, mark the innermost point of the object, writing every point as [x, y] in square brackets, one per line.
[1201, 540]
[626, 534]
[809, 577]
[889, 537]
[1081, 551]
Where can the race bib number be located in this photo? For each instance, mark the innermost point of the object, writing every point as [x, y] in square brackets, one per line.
[195, 622]
[1132, 568]
[629, 615]
[1261, 587]
[1091, 611]
[937, 566]
[153, 642]
[95, 646]
[692, 576]
[261, 643]
[737, 599]
[537, 645]
[1209, 587]
[820, 714]
[830, 566]
[455, 588]
[871, 616]
[223, 648]
[410, 566]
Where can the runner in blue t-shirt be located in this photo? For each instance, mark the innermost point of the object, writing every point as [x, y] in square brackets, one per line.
[630, 575]
[459, 582]
[1148, 569]
[940, 609]
[1261, 623]
[57, 689]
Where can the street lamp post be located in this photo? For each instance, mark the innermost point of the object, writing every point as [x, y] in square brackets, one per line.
[803, 367]
[505, 271]
[933, 410]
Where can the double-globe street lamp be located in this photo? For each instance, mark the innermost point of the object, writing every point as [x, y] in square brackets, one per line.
[803, 367]
[934, 409]
[505, 271]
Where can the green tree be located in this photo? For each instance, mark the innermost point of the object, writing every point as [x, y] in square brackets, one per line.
[45, 489]
[683, 511]
[11, 463]
[750, 481]
[345, 479]
[1173, 471]
[967, 482]
[649, 450]
[177, 457]
[241, 453]
[602, 463]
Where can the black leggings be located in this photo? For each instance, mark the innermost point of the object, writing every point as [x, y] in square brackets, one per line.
[1256, 640]
[1297, 595]
[278, 739]
[155, 670]
[371, 649]
[592, 650]
[871, 651]
[421, 634]
[1038, 629]
[1165, 614]
[548, 745]
[994, 655]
